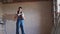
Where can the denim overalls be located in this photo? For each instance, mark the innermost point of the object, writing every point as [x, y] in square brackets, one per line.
[19, 24]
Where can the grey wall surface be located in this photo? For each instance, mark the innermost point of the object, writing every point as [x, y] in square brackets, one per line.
[38, 19]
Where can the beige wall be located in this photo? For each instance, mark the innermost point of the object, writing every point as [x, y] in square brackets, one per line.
[38, 17]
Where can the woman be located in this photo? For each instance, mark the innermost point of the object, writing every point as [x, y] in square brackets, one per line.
[20, 21]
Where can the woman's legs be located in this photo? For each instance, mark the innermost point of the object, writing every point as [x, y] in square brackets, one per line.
[17, 27]
[21, 26]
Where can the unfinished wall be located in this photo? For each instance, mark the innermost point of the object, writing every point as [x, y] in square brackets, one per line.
[38, 17]
[57, 31]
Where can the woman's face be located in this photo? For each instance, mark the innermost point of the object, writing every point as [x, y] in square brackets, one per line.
[20, 9]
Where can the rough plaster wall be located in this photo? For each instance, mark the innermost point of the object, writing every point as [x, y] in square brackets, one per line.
[38, 17]
[58, 5]
[58, 10]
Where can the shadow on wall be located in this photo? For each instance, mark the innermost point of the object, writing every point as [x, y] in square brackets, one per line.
[46, 19]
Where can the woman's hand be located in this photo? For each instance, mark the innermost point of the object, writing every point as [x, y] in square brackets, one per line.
[15, 17]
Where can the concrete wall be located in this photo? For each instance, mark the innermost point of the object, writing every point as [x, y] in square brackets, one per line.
[38, 17]
[57, 31]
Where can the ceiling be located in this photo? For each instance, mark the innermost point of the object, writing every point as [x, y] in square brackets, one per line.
[15, 1]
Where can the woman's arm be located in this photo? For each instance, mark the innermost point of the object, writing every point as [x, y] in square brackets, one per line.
[16, 15]
[23, 16]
